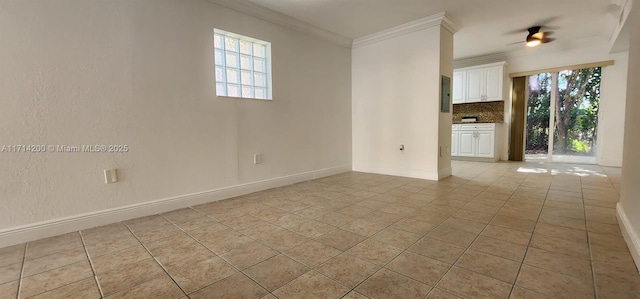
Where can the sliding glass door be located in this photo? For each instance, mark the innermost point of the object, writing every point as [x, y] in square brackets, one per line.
[562, 116]
[538, 113]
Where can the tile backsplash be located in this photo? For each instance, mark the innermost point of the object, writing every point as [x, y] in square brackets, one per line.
[487, 112]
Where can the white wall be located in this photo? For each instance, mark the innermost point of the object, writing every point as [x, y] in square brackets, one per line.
[629, 206]
[612, 109]
[396, 85]
[141, 73]
[444, 129]
[612, 100]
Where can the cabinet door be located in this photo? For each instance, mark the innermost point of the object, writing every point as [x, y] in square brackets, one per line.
[466, 144]
[454, 143]
[493, 83]
[475, 90]
[458, 87]
[485, 144]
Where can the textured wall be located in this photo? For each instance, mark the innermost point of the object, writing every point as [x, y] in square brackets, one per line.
[141, 73]
[613, 95]
[396, 100]
[630, 185]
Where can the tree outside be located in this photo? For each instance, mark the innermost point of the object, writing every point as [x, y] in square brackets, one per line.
[538, 114]
[576, 112]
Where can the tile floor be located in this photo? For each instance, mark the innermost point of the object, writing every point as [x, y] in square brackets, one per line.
[503, 230]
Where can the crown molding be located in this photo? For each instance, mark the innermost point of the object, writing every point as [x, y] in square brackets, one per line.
[480, 60]
[413, 26]
[275, 17]
[448, 23]
[619, 39]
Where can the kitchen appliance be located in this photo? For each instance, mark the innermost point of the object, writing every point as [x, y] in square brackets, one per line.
[469, 119]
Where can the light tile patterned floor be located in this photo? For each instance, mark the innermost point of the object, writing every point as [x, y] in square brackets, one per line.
[503, 230]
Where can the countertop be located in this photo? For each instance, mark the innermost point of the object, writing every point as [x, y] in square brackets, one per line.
[478, 122]
[485, 112]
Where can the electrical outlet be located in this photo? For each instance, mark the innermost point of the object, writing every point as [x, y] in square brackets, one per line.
[257, 158]
[110, 176]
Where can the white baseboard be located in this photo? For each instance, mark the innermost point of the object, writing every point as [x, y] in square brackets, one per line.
[409, 173]
[616, 162]
[630, 234]
[25, 233]
[444, 173]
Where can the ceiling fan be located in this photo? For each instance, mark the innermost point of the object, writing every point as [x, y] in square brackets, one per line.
[537, 37]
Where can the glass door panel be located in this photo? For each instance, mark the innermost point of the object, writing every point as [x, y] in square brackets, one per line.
[576, 116]
[562, 116]
[538, 113]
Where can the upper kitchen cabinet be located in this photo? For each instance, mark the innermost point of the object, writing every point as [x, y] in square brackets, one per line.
[458, 96]
[483, 83]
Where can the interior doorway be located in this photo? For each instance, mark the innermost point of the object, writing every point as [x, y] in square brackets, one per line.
[562, 116]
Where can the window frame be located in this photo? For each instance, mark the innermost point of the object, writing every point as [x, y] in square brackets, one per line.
[239, 68]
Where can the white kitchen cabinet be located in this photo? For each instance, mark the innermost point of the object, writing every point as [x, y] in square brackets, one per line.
[478, 140]
[458, 96]
[484, 143]
[454, 140]
[475, 90]
[483, 83]
[493, 79]
[467, 144]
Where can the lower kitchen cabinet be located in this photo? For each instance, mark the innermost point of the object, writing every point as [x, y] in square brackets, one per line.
[467, 143]
[475, 141]
[454, 144]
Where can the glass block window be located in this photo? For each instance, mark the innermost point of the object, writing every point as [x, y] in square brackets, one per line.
[243, 66]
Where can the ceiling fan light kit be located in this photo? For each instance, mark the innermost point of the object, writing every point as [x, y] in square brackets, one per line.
[536, 37]
[533, 42]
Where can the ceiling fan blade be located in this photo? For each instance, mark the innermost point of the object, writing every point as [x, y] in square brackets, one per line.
[515, 43]
[545, 22]
[547, 40]
[517, 31]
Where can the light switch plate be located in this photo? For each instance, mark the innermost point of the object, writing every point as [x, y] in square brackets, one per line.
[110, 176]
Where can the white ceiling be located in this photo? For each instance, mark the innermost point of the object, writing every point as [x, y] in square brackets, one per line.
[486, 27]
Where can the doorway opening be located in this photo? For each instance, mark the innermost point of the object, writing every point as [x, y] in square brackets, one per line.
[562, 116]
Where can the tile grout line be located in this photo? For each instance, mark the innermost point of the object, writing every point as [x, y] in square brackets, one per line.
[345, 251]
[95, 274]
[439, 225]
[254, 239]
[532, 234]
[217, 255]
[586, 226]
[20, 284]
[155, 259]
[465, 250]
[371, 238]
[407, 249]
[474, 239]
[312, 239]
[24, 259]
